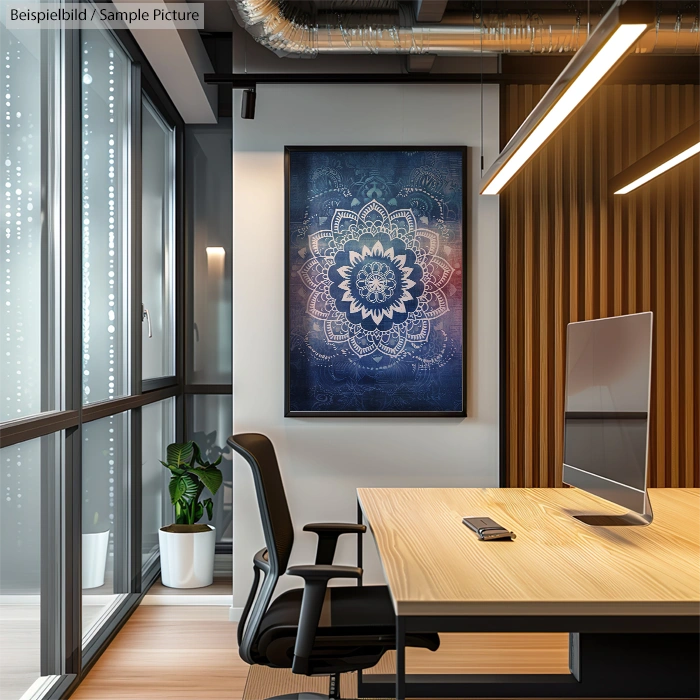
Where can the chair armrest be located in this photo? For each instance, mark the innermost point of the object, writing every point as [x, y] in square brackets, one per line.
[316, 578]
[339, 528]
[324, 572]
[328, 534]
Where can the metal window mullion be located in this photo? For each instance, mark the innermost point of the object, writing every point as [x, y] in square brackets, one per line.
[71, 529]
[180, 281]
[96, 411]
[14, 432]
[208, 389]
[122, 497]
[51, 661]
[126, 529]
[159, 383]
[135, 195]
[70, 523]
[134, 490]
[135, 500]
[170, 247]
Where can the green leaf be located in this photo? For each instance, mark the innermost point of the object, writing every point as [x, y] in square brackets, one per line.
[198, 513]
[180, 453]
[209, 505]
[211, 478]
[191, 487]
[182, 488]
[177, 489]
[174, 470]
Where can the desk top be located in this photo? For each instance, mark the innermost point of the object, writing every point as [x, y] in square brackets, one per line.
[435, 565]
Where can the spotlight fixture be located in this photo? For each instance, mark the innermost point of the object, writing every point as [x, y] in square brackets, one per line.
[682, 146]
[624, 23]
[248, 104]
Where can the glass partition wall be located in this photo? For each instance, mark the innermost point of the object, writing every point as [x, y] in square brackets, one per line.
[209, 406]
[91, 386]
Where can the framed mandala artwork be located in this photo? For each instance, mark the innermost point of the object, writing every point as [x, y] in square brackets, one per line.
[375, 311]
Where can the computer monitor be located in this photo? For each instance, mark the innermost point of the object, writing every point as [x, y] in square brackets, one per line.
[606, 415]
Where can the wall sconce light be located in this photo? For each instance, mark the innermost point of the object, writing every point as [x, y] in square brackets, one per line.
[682, 146]
[624, 23]
[216, 250]
[216, 256]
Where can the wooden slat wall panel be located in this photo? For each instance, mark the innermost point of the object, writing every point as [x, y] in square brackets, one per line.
[574, 252]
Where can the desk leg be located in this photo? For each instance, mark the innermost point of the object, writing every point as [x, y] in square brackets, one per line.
[400, 658]
[360, 518]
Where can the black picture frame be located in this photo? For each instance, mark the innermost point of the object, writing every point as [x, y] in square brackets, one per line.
[288, 412]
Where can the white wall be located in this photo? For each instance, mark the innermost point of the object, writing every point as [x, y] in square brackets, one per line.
[324, 460]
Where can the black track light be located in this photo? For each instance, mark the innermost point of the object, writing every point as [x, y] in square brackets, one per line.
[248, 104]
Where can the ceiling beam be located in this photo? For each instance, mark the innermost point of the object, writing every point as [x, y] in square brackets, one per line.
[180, 61]
[241, 81]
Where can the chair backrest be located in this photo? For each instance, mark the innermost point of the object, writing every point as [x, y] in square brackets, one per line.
[278, 531]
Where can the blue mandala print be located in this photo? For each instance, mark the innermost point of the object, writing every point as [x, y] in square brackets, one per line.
[379, 261]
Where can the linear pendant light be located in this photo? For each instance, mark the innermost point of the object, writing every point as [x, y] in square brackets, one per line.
[684, 145]
[612, 38]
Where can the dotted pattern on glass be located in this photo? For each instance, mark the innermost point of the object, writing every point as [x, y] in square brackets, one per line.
[20, 307]
[104, 225]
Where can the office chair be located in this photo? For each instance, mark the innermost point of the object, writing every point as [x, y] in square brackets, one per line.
[316, 630]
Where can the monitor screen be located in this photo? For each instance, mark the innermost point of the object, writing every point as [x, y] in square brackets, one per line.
[608, 371]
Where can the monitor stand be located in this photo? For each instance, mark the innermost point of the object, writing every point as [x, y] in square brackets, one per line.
[629, 519]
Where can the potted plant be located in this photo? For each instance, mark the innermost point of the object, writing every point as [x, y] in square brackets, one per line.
[94, 554]
[187, 546]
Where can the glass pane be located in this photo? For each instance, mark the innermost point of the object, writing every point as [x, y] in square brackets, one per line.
[210, 425]
[105, 517]
[105, 127]
[28, 296]
[23, 469]
[209, 222]
[158, 431]
[157, 232]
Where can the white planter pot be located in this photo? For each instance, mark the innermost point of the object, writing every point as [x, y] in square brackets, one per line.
[187, 558]
[94, 558]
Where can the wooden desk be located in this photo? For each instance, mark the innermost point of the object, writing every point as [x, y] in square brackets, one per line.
[629, 596]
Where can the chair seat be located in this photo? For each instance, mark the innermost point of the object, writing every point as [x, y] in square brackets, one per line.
[357, 627]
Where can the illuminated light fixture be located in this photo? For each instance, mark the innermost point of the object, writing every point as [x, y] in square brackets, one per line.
[668, 155]
[616, 32]
[215, 250]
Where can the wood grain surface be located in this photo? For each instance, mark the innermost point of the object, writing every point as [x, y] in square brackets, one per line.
[169, 653]
[458, 653]
[492, 653]
[557, 565]
[146, 660]
[574, 251]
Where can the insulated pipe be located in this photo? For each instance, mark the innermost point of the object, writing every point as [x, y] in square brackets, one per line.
[386, 27]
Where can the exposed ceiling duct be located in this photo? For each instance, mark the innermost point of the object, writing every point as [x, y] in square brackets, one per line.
[390, 27]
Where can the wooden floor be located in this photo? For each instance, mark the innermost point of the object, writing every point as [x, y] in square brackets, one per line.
[20, 631]
[169, 653]
[183, 652]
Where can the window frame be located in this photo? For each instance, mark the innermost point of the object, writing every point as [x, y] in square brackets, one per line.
[170, 248]
[64, 661]
[193, 386]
